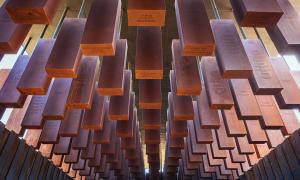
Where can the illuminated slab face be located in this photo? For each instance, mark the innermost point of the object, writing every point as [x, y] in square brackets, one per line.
[186, 72]
[289, 97]
[55, 107]
[146, 13]
[49, 133]
[119, 105]
[111, 80]
[264, 80]
[291, 123]
[234, 126]
[11, 35]
[93, 118]
[151, 118]
[193, 28]
[285, 35]
[33, 11]
[82, 88]
[35, 80]
[217, 88]
[70, 126]
[65, 56]
[272, 119]
[223, 113]
[16, 117]
[9, 95]
[150, 96]
[244, 100]
[257, 13]
[231, 56]
[149, 53]
[102, 28]
[33, 116]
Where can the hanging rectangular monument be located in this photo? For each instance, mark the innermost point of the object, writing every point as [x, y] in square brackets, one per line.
[9, 95]
[193, 28]
[264, 81]
[55, 107]
[150, 96]
[149, 53]
[289, 97]
[285, 35]
[146, 13]
[82, 87]
[11, 35]
[244, 99]
[186, 71]
[119, 105]
[111, 80]
[32, 12]
[231, 56]
[65, 56]
[217, 88]
[35, 80]
[102, 28]
[256, 13]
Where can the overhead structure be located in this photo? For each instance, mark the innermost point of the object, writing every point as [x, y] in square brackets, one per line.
[150, 89]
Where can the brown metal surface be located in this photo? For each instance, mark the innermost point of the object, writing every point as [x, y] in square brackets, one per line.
[244, 99]
[103, 136]
[63, 146]
[152, 137]
[12, 35]
[9, 95]
[234, 126]
[32, 137]
[119, 105]
[34, 80]
[284, 34]
[271, 118]
[209, 117]
[192, 20]
[71, 124]
[125, 129]
[33, 118]
[111, 80]
[81, 141]
[231, 56]
[93, 118]
[290, 120]
[182, 107]
[186, 73]
[223, 140]
[217, 88]
[65, 57]
[244, 147]
[251, 13]
[49, 133]
[264, 81]
[289, 97]
[149, 53]
[203, 136]
[151, 119]
[72, 157]
[146, 13]
[82, 87]
[255, 134]
[102, 28]
[32, 12]
[16, 118]
[55, 107]
[150, 96]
